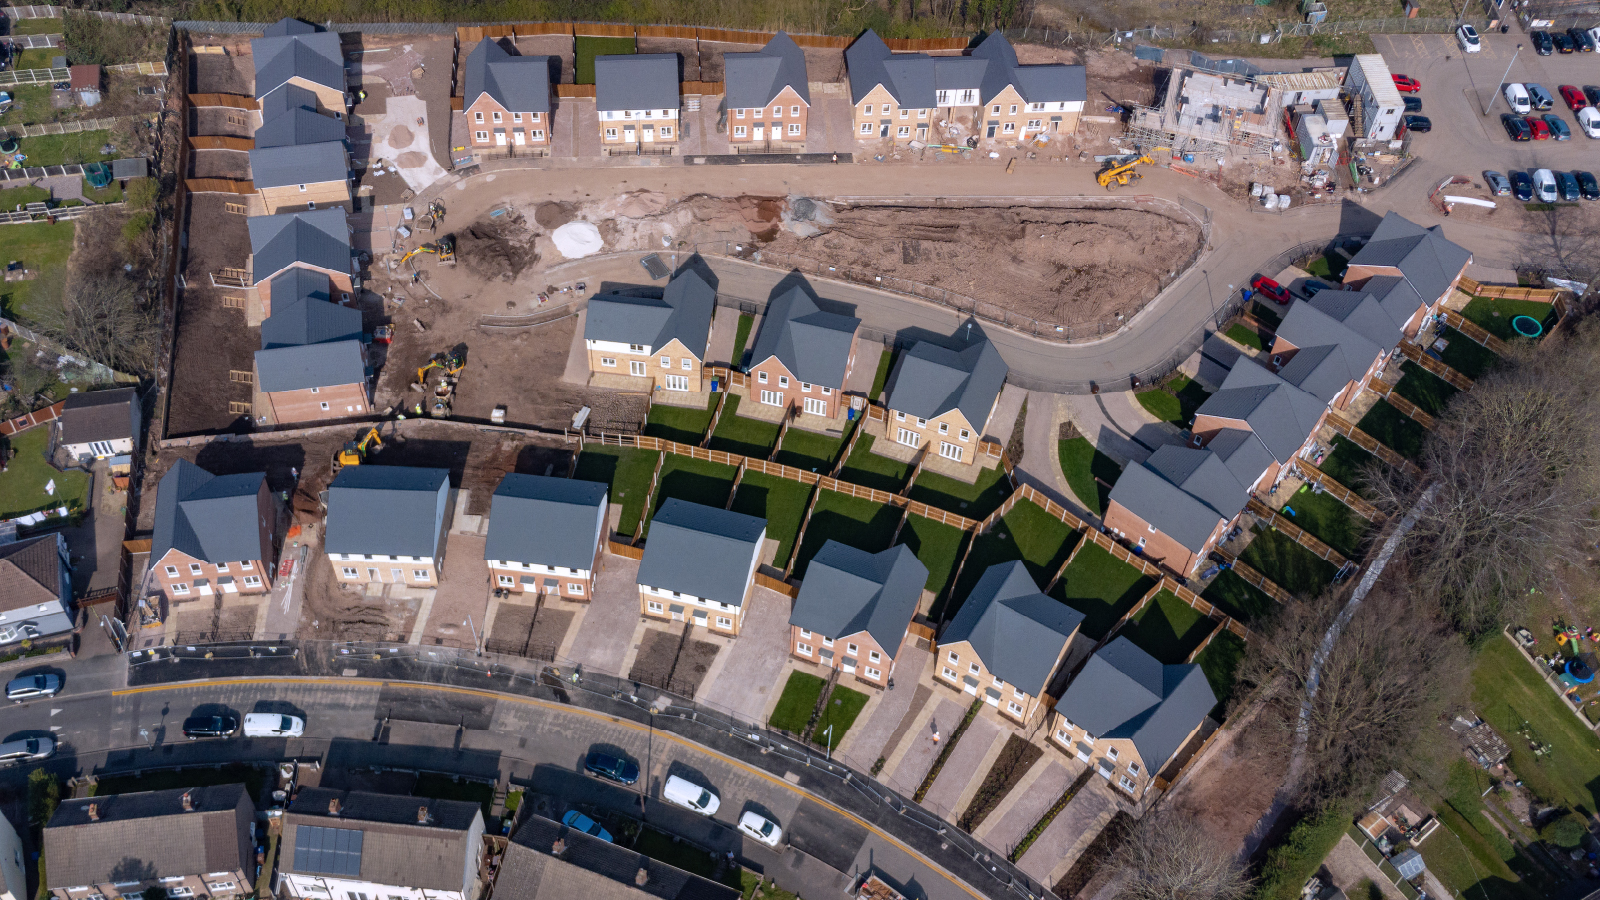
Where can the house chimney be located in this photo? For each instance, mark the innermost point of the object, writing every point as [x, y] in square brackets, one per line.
[422, 815]
[559, 847]
[333, 806]
[188, 801]
[641, 877]
[94, 812]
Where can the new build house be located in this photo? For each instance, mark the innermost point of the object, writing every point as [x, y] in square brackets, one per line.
[547, 860]
[854, 607]
[545, 535]
[1127, 715]
[386, 524]
[13, 878]
[100, 424]
[1409, 269]
[301, 176]
[1007, 642]
[937, 394]
[507, 101]
[293, 116]
[767, 98]
[357, 844]
[213, 534]
[700, 564]
[657, 344]
[293, 53]
[300, 159]
[636, 97]
[317, 240]
[802, 356]
[189, 842]
[35, 589]
[312, 364]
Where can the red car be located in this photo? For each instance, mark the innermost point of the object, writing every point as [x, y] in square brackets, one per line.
[1540, 129]
[1574, 97]
[1407, 84]
[1264, 285]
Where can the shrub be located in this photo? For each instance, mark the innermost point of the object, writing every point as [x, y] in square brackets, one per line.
[142, 193]
[1565, 831]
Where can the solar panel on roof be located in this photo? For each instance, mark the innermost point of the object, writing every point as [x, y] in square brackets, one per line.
[327, 851]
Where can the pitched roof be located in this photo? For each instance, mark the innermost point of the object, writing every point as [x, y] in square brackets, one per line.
[1361, 312]
[1016, 631]
[591, 869]
[377, 838]
[1047, 83]
[1398, 296]
[1331, 354]
[212, 837]
[84, 77]
[908, 77]
[847, 591]
[756, 79]
[1427, 259]
[307, 321]
[914, 79]
[813, 345]
[310, 366]
[98, 416]
[701, 550]
[317, 237]
[30, 572]
[683, 312]
[930, 381]
[636, 81]
[209, 517]
[1124, 692]
[1172, 510]
[292, 48]
[518, 83]
[553, 521]
[1282, 415]
[293, 96]
[297, 125]
[1243, 453]
[389, 510]
[1203, 475]
[299, 164]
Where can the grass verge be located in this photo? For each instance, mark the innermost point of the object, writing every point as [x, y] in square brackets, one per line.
[796, 703]
[741, 337]
[1243, 334]
[1175, 401]
[839, 713]
[1082, 465]
[585, 49]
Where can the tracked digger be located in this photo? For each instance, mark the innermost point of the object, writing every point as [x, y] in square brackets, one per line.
[354, 453]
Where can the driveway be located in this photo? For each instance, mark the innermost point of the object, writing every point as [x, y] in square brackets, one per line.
[750, 673]
[881, 732]
[606, 632]
[965, 764]
[922, 750]
[1028, 802]
[462, 597]
[1090, 809]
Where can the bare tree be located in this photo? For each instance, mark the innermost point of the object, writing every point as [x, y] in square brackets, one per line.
[1565, 246]
[1168, 856]
[102, 318]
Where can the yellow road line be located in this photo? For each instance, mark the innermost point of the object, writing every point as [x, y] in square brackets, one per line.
[588, 713]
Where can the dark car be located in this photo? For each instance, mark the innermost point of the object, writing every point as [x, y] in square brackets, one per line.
[612, 768]
[196, 727]
[1312, 287]
[1521, 186]
[1419, 124]
[1261, 284]
[1581, 40]
[1567, 186]
[1542, 44]
[1591, 92]
[1587, 186]
[1413, 104]
[1558, 127]
[1516, 127]
[1563, 42]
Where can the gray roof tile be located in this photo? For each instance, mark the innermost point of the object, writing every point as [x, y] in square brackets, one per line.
[1202, 474]
[307, 321]
[389, 510]
[394, 847]
[591, 869]
[1172, 510]
[1124, 692]
[209, 517]
[1428, 260]
[98, 416]
[1331, 354]
[298, 126]
[310, 366]
[847, 591]
[931, 380]
[1016, 631]
[702, 551]
[552, 521]
[914, 79]
[683, 312]
[292, 48]
[1282, 415]
[518, 83]
[813, 345]
[317, 237]
[636, 81]
[1362, 313]
[212, 837]
[280, 166]
[756, 79]
[31, 572]
[1243, 453]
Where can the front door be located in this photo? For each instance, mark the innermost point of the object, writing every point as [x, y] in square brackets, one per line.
[990, 132]
[649, 134]
[759, 132]
[521, 137]
[627, 135]
[398, 575]
[552, 587]
[372, 575]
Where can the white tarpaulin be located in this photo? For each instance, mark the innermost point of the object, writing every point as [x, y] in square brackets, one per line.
[50, 488]
[576, 240]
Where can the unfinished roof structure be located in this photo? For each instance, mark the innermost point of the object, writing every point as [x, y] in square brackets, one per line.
[1210, 113]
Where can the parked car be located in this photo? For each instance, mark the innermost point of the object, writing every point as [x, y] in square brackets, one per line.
[1538, 96]
[1516, 127]
[1558, 127]
[273, 725]
[1544, 185]
[580, 822]
[1407, 84]
[1591, 93]
[1573, 97]
[1413, 104]
[1587, 185]
[33, 687]
[1419, 124]
[1563, 42]
[1521, 185]
[1517, 98]
[1261, 284]
[1581, 40]
[1467, 37]
[1594, 35]
[24, 750]
[1567, 186]
[685, 793]
[197, 727]
[1542, 44]
[1589, 121]
[761, 828]
[1498, 184]
[1312, 287]
[612, 768]
[1539, 128]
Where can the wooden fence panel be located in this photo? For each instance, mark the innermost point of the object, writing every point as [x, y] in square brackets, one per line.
[1254, 578]
[29, 420]
[1386, 391]
[575, 91]
[627, 551]
[234, 101]
[681, 32]
[702, 88]
[537, 28]
[1419, 356]
[599, 29]
[773, 584]
[822, 41]
[1370, 444]
[926, 45]
[1294, 532]
[219, 186]
[1313, 475]
[1472, 330]
[918, 508]
[220, 142]
[728, 36]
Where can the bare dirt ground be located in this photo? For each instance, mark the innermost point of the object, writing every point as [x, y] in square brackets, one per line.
[1233, 786]
[519, 631]
[559, 45]
[331, 611]
[666, 659]
[211, 339]
[231, 72]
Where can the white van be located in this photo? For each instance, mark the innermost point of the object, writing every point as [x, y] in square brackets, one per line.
[273, 725]
[690, 796]
[1517, 98]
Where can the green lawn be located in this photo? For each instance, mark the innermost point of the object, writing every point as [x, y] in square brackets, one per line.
[1238, 598]
[1348, 464]
[1220, 661]
[746, 437]
[868, 469]
[975, 501]
[36, 26]
[1329, 266]
[849, 520]
[809, 450]
[1466, 355]
[1082, 464]
[585, 49]
[443, 787]
[628, 472]
[1510, 696]
[30, 105]
[1394, 429]
[881, 378]
[1482, 312]
[663, 847]
[1168, 628]
[695, 480]
[1027, 533]
[1175, 401]
[1427, 390]
[769, 889]
[680, 423]
[741, 337]
[1101, 587]
[41, 247]
[844, 704]
[1329, 520]
[1477, 846]
[937, 545]
[794, 707]
[62, 149]
[22, 483]
[1287, 564]
[12, 199]
[778, 500]
[38, 58]
[1244, 335]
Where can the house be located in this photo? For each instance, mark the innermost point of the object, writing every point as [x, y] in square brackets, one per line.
[700, 564]
[291, 117]
[318, 240]
[213, 533]
[854, 608]
[1127, 715]
[100, 424]
[545, 535]
[1410, 269]
[35, 589]
[85, 84]
[386, 525]
[946, 393]
[1325, 357]
[767, 98]
[301, 176]
[547, 860]
[803, 355]
[1027, 101]
[658, 343]
[293, 53]
[507, 100]
[190, 842]
[13, 880]
[1176, 506]
[1007, 643]
[636, 97]
[354, 844]
[1255, 399]
[312, 364]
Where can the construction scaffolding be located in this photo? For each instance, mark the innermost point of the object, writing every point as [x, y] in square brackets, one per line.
[1210, 114]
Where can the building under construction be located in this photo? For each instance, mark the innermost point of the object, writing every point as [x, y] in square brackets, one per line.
[1211, 114]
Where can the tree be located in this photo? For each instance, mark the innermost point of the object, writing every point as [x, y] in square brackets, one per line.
[44, 795]
[1168, 856]
[102, 318]
[1564, 830]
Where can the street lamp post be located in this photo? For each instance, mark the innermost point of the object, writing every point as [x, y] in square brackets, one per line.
[1496, 95]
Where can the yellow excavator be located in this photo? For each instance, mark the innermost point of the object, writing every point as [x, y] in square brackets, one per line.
[1121, 175]
[355, 452]
[450, 364]
[445, 249]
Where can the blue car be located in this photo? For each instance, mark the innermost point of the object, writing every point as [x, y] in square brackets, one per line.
[612, 768]
[1558, 127]
[579, 821]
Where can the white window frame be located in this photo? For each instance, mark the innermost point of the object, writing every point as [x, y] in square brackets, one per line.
[903, 131]
[761, 377]
[1013, 706]
[740, 131]
[866, 128]
[771, 398]
[609, 362]
[575, 588]
[950, 451]
[349, 572]
[180, 588]
[172, 571]
[783, 381]
[420, 575]
[873, 673]
[507, 580]
[195, 569]
[481, 137]
[950, 673]
[866, 109]
[907, 437]
[954, 657]
[686, 364]
[802, 649]
[724, 622]
[653, 605]
[874, 656]
[636, 367]
[477, 117]
[252, 581]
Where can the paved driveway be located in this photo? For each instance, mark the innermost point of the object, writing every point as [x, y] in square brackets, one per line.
[1029, 802]
[750, 673]
[878, 735]
[919, 756]
[965, 764]
[1088, 807]
[607, 628]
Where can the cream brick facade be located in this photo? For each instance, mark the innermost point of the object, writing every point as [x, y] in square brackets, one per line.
[672, 367]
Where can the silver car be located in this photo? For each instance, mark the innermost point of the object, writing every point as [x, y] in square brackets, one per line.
[32, 687]
[1499, 185]
[1544, 186]
[25, 750]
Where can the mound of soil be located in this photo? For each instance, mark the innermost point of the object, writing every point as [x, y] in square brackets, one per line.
[551, 215]
[497, 249]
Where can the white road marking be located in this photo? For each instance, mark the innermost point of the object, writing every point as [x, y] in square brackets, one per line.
[54, 711]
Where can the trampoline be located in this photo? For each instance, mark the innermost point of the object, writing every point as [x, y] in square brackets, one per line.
[1527, 326]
